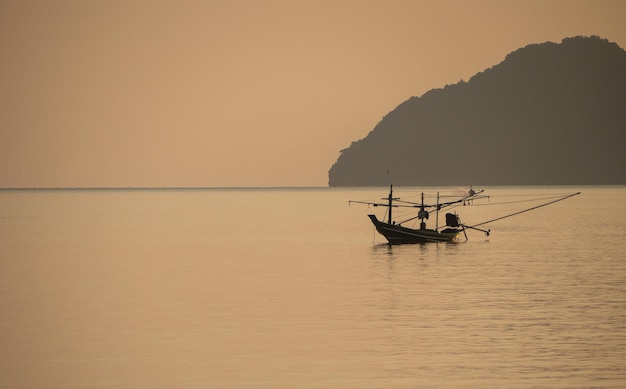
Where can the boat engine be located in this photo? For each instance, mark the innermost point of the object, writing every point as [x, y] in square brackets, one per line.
[452, 220]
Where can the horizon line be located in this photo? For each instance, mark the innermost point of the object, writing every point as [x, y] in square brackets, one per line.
[139, 188]
[156, 187]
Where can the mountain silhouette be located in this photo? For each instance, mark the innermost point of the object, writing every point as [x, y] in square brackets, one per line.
[549, 114]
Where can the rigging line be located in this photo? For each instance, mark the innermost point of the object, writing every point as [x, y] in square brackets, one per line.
[408, 220]
[526, 210]
[519, 201]
[403, 215]
[532, 194]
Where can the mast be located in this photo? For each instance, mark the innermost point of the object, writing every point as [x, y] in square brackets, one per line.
[437, 214]
[422, 214]
[390, 201]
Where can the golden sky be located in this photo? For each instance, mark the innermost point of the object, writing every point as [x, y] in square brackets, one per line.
[238, 93]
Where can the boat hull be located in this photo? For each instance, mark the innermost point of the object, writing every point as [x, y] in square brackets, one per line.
[396, 234]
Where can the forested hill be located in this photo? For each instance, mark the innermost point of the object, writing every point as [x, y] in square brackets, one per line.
[549, 114]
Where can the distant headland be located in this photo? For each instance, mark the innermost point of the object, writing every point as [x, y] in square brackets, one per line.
[549, 114]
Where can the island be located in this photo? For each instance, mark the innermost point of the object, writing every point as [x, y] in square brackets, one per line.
[548, 114]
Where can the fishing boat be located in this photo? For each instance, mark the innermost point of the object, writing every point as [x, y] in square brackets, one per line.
[396, 233]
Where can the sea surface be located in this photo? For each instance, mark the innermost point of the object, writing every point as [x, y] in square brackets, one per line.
[292, 288]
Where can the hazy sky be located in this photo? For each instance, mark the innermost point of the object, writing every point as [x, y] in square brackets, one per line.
[238, 93]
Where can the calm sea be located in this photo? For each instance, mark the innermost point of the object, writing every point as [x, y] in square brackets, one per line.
[292, 288]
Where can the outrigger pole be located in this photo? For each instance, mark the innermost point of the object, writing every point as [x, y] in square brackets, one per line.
[487, 232]
[517, 213]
